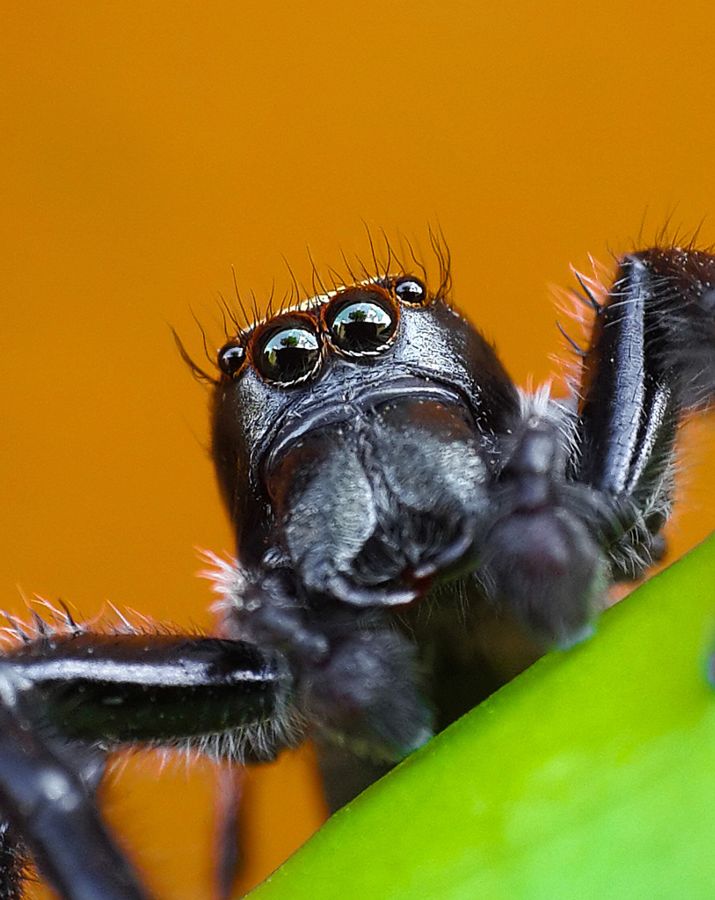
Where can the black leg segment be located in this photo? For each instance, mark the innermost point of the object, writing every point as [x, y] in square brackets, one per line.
[149, 688]
[49, 804]
[652, 358]
[61, 695]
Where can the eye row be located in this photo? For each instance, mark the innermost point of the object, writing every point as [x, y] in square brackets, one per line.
[360, 321]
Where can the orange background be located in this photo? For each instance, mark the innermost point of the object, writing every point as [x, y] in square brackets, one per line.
[147, 147]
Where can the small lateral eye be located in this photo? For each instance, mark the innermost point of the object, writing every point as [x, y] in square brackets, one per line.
[410, 290]
[287, 354]
[362, 322]
[230, 358]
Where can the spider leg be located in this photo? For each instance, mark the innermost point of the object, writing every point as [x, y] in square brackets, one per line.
[13, 860]
[584, 490]
[218, 696]
[222, 697]
[48, 803]
[89, 763]
[650, 361]
[229, 846]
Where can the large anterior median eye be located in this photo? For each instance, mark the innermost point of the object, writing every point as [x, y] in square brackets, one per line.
[288, 353]
[362, 322]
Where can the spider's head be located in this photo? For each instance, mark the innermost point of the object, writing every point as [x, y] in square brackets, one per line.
[334, 392]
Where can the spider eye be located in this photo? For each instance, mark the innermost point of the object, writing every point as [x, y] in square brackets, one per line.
[410, 290]
[230, 358]
[362, 322]
[287, 354]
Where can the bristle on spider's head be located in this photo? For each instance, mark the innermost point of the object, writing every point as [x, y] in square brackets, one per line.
[386, 259]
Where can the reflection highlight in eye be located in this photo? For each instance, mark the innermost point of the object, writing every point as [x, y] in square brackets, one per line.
[231, 358]
[410, 290]
[288, 355]
[362, 323]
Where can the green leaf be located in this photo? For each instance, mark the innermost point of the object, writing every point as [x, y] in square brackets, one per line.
[592, 775]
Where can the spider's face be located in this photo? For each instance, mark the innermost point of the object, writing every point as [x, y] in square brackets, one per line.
[335, 418]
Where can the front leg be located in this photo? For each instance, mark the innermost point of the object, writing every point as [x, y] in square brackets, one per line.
[49, 804]
[651, 359]
[61, 693]
[585, 486]
[221, 697]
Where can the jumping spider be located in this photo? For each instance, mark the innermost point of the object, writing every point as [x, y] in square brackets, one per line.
[395, 498]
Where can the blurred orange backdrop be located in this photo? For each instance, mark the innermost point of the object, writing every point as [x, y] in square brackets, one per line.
[148, 147]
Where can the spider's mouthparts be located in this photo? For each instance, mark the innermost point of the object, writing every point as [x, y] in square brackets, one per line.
[377, 504]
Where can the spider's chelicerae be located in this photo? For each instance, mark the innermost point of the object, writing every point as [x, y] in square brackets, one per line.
[403, 513]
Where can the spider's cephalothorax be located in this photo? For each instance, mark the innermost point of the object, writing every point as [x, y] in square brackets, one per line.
[401, 510]
[356, 442]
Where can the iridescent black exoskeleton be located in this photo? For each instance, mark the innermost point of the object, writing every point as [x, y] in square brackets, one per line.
[398, 503]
